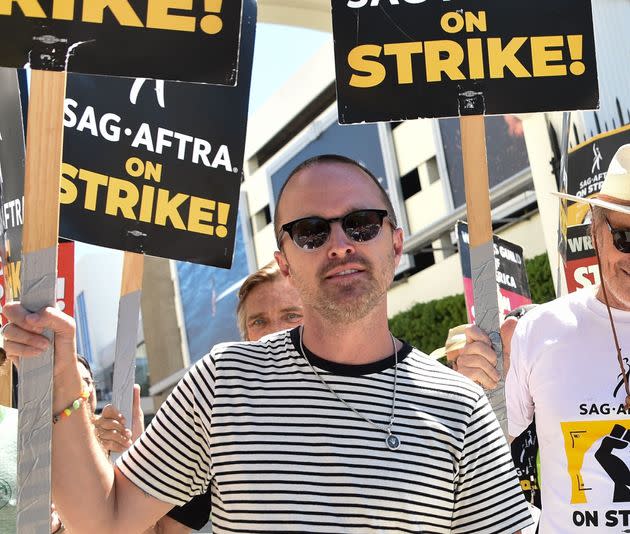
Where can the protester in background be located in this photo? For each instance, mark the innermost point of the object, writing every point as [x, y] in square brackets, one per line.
[568, 369]
[335, 426]
[267, 303]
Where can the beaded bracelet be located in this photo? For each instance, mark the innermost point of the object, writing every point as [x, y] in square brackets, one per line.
[67, 412]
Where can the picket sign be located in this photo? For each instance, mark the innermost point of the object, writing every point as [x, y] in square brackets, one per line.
[39, 274]
[127, 335]
[485, 288]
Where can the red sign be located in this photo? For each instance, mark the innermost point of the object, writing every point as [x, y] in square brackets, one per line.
[65, 280]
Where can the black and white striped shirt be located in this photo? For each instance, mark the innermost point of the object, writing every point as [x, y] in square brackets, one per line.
[282, 454]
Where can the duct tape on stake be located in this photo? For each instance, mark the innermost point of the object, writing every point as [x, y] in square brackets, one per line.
[125, 359]
[487, 317]
[127, 335]
[35, 403]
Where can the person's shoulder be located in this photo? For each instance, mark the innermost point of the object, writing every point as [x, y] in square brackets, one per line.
[270, 345]
[562, 311]
[437, 376]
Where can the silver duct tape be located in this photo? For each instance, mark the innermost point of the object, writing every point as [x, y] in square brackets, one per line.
[35, 402]
[125, 357]
[485, 290]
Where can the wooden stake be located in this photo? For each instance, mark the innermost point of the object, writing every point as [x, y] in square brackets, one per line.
[39, 274]
[6, 385]
[485, 288]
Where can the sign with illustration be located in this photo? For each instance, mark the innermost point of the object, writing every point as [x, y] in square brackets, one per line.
[587, 164]
[143, 172]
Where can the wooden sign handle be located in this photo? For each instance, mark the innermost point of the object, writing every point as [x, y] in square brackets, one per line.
[39, 274]
[485, 288]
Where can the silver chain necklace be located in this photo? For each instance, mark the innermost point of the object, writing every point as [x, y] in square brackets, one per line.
[392, 441]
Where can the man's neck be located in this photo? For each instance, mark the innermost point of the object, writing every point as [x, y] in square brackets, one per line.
[361, 342]
[613, 302]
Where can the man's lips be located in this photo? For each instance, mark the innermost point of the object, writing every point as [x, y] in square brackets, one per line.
[343, 271]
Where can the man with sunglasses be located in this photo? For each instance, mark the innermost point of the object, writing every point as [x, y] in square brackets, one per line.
[333, 427]
[569, 367]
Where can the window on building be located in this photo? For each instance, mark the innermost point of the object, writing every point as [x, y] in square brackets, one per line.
[410, 184]
[432, 170]
[424, 258]
[261, 218]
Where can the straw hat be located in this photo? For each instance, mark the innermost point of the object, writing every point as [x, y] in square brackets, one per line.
[455, 340]
[615, 192]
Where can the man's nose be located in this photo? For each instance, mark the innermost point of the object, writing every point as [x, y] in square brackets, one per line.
[339, 243]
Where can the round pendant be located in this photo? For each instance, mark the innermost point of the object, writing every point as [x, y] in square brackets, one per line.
[392, 442]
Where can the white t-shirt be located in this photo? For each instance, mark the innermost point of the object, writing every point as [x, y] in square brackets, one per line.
[564, 367]
[282, 454]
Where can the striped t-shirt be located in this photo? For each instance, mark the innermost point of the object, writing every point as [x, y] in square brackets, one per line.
[283, 454]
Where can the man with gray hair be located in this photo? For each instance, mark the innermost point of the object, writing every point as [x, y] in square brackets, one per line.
[569, 367]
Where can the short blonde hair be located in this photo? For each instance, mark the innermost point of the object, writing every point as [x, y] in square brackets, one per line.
[268, 273]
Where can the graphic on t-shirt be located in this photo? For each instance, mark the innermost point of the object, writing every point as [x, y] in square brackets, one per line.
[5, 493]
[610, 437]
[620, 384]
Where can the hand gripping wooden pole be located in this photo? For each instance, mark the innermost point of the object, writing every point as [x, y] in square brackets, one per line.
[39, 273]
[485, 288]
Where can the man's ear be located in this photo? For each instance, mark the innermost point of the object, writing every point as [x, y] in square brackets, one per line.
[398, 244]
[282, 262]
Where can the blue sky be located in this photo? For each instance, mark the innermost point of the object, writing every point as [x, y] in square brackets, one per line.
[278, 53]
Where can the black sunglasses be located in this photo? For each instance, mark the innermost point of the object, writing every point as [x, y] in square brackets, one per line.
[311, 233]
[621, 238]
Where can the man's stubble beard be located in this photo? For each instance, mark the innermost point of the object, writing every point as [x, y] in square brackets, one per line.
[345, 304]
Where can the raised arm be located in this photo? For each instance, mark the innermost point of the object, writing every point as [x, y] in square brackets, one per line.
[92, 496]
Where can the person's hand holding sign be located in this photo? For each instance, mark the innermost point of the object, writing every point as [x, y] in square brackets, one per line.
[23, 336]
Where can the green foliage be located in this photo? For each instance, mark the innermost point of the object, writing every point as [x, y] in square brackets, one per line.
[540, 280]
[425, 325]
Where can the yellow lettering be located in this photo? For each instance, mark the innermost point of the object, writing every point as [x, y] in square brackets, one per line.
[14, 278]
[63, 9]
[358, 62]
[452, 22]
[167, 209]
[201, 212]
[476, 22]
[153, 171]
[212, 24]
[121, 9]
[68, 191]
[500, 58]
[116, 201]
[158, 15]
[449, 65]
[93, 180]
[542, 56]
[134, 167]
[146, 205]
[403, 52]
[475, 59]
[30, 8]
